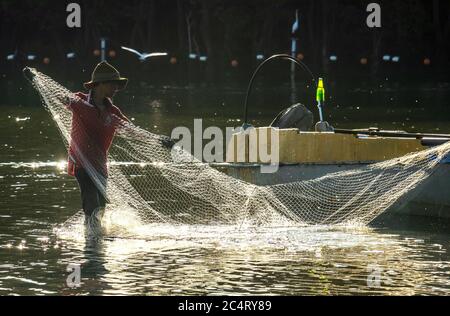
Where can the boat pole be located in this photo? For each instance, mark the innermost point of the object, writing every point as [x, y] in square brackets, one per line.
[103, 48]
[295, 27]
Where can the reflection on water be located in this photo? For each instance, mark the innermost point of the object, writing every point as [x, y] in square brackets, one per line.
[132, 258]
[36, 197]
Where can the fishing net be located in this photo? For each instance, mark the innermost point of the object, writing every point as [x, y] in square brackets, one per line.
[165, 184]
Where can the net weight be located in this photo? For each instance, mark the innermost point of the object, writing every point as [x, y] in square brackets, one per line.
[246, 305]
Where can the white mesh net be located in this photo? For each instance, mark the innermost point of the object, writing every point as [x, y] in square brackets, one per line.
[169, 186]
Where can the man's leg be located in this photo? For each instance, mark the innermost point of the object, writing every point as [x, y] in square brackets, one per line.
[100, 207]
[92, 199]
[89, 196]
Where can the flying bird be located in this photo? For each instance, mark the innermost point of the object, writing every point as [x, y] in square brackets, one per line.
[143, 56]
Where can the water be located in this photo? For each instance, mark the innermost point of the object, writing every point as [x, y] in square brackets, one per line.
[392, 257]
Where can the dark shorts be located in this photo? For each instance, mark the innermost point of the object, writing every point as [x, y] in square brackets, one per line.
[91, 197]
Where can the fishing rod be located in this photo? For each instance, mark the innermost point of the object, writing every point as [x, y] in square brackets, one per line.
[375, 132]
[278, 56]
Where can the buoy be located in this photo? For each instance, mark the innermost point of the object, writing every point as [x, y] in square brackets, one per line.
[427, 61]
[234, 63]
[363, 61]
[173, 60]
[46, 60]
[96, 52]
[112, 53]
[300, 56]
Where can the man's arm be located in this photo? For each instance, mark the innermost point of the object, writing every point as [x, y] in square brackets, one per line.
[128, 125]
[120, 115]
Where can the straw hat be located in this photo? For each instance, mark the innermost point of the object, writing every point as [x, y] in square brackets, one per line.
[104, 72]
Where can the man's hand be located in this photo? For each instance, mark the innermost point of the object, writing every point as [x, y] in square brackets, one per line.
[65, 98]
[28, 73]
[167, 142]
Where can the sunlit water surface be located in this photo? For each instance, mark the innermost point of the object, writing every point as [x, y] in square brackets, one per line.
[132, 258]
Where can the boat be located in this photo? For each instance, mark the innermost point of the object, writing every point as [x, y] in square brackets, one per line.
[305, 155]
[310, 155]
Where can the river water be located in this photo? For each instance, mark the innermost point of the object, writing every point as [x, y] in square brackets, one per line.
[396, 256]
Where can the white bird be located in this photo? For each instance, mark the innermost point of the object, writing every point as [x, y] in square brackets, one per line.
[143, 56]
[295, 26]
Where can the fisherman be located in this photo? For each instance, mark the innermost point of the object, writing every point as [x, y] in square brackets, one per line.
[94, 122]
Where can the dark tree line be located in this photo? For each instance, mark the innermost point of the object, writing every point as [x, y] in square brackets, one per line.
[225, 31]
